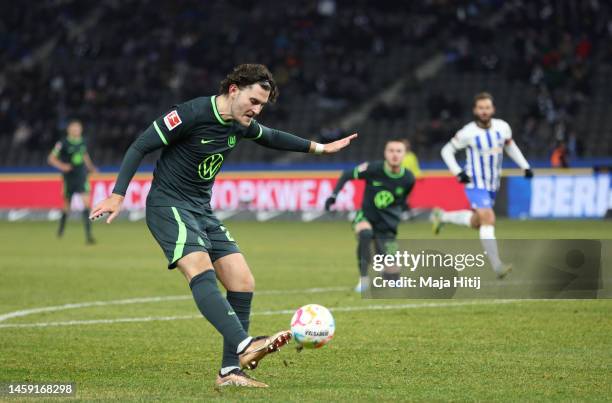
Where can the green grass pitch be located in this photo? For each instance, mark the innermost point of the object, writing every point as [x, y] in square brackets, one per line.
[525, 350]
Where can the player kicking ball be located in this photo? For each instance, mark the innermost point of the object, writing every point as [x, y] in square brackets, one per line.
[484, 141]
[196, 138]
[388, 184]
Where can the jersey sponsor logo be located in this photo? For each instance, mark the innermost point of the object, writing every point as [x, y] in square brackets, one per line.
[383, 199]
[210, 166]
[172, 120]
[204, 141]
[399, 190]
[231, 141]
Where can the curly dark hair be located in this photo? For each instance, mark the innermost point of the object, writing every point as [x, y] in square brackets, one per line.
[244, 75]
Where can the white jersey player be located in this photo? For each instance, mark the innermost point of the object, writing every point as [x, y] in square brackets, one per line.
[484, 141]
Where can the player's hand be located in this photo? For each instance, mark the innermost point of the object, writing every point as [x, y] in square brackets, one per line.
[331, 200]
[338, 145]
[528, 173]
[463, 177]
[111, 205]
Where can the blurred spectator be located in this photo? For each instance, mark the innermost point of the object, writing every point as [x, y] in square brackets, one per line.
[559, 157]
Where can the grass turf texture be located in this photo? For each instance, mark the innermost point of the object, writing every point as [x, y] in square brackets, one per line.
[526, 350]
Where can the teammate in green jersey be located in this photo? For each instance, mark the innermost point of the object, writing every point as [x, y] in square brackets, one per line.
[196, 137]
[70, 156]
[388, 184]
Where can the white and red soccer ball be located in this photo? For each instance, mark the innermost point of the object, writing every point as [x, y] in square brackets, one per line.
[313, 326]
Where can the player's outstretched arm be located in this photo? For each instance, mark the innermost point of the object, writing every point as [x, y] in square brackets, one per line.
[359, 172]
[517, 156]
[147, 142]
[332, 147]
[279, 140]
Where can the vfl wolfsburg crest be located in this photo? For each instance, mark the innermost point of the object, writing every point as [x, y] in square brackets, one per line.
[210, 166]
[383, 199]
[231, 140]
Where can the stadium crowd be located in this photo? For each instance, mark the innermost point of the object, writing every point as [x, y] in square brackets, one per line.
[117, 64]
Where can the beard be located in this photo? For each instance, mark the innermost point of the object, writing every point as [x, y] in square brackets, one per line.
[483, 122]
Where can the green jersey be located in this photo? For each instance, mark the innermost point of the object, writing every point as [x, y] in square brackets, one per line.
[385, 193]
[196, 142]
[72, 152]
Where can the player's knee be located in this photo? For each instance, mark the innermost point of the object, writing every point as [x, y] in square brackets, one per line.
[475, 221]
[247, 283]
[365, 235]
[487, 217]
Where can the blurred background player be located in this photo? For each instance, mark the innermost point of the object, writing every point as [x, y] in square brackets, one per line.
[70, 156]
[388, 185]
[196, 137]
[484, 140]
[411, 161]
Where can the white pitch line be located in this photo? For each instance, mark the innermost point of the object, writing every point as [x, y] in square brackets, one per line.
[32, 311]
[362, 308]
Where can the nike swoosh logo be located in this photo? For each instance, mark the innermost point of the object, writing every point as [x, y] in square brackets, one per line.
[230, 313]
[376, 183]
[207, 141]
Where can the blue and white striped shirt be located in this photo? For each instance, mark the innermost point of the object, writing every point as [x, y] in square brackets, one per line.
[484, 150]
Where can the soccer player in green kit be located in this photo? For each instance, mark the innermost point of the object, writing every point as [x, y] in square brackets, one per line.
[388, 184]
[70, 156]
[196, 138]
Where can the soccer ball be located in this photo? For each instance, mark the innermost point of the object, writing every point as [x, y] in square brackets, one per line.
[313, 326]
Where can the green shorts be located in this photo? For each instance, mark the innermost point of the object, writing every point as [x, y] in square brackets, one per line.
[180, 232]
[384, 240]
[72, 186]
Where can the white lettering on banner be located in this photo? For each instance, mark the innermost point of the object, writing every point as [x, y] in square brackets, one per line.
[570, 196]
[279, 195]
[307, 196]
[346, 198]
[563, 196]
[584, 202]
[286, 195]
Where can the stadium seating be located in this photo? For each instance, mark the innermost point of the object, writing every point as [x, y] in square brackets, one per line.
[118, 67]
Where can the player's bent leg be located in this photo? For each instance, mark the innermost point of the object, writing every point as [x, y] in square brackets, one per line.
[86, 221]
[475, 221]
[486, 218]
[233, 272]
[198, 270]
[365, 236]
[440, 217]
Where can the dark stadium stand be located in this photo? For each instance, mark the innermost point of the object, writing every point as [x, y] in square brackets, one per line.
[118, 64]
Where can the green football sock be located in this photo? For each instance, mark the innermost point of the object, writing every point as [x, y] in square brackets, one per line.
[241, 303]
[216, 309]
